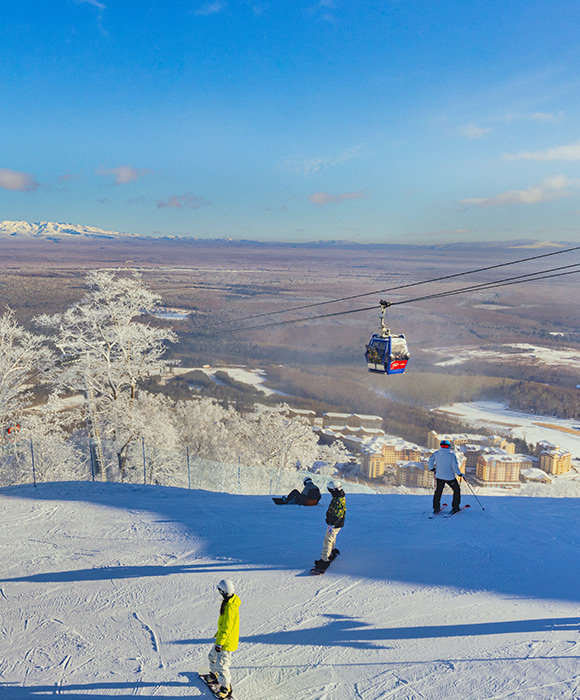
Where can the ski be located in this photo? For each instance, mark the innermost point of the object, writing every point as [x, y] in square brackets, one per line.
[213, 685]
[318, 572]
[459, 511]
[439, 512]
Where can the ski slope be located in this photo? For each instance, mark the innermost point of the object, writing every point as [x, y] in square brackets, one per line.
[109, 590]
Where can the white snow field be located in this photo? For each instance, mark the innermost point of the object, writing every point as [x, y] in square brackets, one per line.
[110, 590]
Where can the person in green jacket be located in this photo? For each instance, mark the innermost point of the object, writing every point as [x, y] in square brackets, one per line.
[227, 638]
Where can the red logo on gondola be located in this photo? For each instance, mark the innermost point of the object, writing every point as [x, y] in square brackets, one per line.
[398, 364]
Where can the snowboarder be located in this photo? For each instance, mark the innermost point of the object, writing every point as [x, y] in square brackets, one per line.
[335, 516]
[445, 464]
[227, 639]
[309, 496]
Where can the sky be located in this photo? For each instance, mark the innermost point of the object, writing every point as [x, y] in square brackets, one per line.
[392, 121]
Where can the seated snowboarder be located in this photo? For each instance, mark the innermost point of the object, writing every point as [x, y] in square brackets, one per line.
[309, 496]
[335, 516]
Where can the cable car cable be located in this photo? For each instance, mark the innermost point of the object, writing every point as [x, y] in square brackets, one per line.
[531, 277]
[392, 289]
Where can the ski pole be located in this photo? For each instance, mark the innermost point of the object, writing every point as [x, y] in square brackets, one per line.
[473, 492]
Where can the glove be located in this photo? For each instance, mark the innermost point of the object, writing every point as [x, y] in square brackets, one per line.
[218, 648]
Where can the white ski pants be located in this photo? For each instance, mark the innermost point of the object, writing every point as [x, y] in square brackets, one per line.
[329, 542]
[219, 663]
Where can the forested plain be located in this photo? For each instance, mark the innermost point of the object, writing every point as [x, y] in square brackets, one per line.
[225, 289]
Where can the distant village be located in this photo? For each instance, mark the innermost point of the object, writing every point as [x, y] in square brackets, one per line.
[490, 460]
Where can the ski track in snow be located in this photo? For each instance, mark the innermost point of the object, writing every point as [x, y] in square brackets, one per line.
[108, 590]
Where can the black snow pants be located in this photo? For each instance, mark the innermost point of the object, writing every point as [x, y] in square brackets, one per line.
[453, 484]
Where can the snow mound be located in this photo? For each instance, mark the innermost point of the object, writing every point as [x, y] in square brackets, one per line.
[110, 590]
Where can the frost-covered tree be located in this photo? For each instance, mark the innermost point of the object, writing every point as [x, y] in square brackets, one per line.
[278, 440]
[107, 349]
[44, 434]
[23, 359]
[264, 437]
[210, 430]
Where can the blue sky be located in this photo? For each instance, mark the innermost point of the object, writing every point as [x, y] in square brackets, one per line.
[394, 121]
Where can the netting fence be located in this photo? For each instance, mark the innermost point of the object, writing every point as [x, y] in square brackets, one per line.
[36, 461]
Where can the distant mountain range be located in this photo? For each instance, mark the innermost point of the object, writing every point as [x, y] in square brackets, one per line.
[48, 230]
[52, 231]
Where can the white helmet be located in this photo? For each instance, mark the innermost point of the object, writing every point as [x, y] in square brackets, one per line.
[308, 480]
[226, 587]
[334, 485]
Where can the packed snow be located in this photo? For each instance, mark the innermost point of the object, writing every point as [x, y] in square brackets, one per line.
[110, 590]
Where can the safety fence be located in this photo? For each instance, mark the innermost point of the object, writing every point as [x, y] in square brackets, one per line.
[37, 461]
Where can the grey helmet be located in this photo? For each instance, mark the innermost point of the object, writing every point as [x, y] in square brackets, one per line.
[308, 480]
[226, 587]
[334, 485]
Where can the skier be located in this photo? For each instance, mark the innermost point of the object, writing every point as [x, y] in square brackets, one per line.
[226, 639]
[445, 464]
[309, 496]
[335, 516]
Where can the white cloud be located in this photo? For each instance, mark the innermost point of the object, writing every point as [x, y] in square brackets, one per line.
[321, 199]
[542, 117]
[211, 8]
[95, 3]
[571, 152]
[551, 188]
[16, 181]
[183, 201]
[123, 174]
[308, 165]
[472, 131]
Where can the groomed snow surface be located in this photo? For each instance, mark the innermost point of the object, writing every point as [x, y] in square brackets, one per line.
[110, 590]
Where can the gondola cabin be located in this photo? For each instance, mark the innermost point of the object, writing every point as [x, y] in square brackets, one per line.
[385, 352]
[388, 354]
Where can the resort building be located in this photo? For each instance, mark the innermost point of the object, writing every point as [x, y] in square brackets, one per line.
[501, 470]
[415, 474]
[388, 451]
[459, 440]
[339, 421]
[555, 461]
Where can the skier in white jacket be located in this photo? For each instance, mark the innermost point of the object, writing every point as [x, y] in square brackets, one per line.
[445, 464]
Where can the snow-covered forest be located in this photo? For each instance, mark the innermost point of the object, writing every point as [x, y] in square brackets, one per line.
[92, 419]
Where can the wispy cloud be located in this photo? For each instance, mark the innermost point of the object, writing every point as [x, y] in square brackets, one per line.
[100, 7]
[322, 199]
[123, 174]
[472, 131]
[308, 165]
[551, 188]
[323, 10]
[16, 181]
[183, 201]
[211, 8]
[541, 117]
[571, 152]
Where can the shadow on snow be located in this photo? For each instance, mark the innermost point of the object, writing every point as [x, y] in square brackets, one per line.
[525, 547]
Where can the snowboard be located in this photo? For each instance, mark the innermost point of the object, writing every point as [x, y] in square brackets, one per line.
[280, 500]
[317, 572]
[213, 686]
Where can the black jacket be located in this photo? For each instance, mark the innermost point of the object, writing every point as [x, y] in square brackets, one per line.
[336, 512]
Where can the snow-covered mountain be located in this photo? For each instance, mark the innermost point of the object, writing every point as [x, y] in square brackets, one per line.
[110, 590]
[50, 230]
